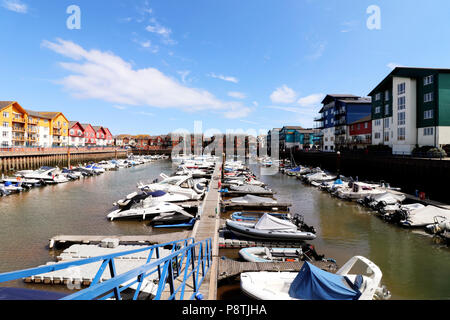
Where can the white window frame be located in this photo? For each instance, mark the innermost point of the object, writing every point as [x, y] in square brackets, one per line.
[428, 97]
[401, 119]
[428, 80]
[401, 103]
[378, 110]
[428, 114]
[401, 134]
[401, 87]
[378, 96]
[386, 95]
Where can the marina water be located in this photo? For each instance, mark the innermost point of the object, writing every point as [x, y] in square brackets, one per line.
[413, 266]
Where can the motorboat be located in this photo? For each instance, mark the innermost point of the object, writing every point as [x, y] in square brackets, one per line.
[184, 185]
[397, 212]
[146, 209]
[425, 216]
[49, 175]
[174, 219]
[12, 188]
[158, 195]
[71, 175]
[255, 216]
[107, 165]
[319, 177]
[359, 190]
[250, 189]
[313, 283]
[382, 200]
[269, 228]
[95, 169]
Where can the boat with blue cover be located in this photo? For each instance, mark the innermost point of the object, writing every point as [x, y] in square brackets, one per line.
[313, 283]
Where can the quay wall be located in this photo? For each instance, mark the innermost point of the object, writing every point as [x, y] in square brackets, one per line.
[409, 174]
[150, 152]
[62, 157]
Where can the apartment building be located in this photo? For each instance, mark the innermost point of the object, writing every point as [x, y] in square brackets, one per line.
[411, 107]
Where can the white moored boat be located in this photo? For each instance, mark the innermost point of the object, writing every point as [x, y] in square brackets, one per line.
[312, 283]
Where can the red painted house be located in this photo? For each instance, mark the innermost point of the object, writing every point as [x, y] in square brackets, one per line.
[361, 133]
[76, 134]
[109, 137]
[89, 135]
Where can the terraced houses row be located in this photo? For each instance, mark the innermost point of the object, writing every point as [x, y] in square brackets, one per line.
[21, 127]
[410, 108]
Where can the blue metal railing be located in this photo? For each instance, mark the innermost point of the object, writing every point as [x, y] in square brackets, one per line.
[186, 260]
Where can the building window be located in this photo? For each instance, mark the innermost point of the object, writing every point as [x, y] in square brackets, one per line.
[401, 132]
[5, 134]
[401, 103]
[401, 118]
[378, 97]
[377, 109]
[386, 136]
[378, 123]
[386, 95]
[386, 123]
[5, 114]
[366, 125]
[72, 132]
[428, 97]
[428, 80]
[429, 114]
[5, 124]
[377, 135]
[401, 88]
[428, 131]
[386, 109]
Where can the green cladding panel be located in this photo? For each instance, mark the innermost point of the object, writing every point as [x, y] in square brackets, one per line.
[444, 100]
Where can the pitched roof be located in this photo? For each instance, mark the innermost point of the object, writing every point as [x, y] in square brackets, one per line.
[408, 72]
[4, 104]
[365, 119]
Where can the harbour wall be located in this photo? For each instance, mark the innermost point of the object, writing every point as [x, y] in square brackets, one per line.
[409, 174]
[30, 160]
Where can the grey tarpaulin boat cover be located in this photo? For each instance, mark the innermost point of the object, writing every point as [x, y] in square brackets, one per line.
[253, 199]
[425, 216]
[248, 188]
[268, 222]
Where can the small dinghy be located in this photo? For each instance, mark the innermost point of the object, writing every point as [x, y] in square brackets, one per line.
[184, 222]
[312, 283]
[264, 254]
[269, 228]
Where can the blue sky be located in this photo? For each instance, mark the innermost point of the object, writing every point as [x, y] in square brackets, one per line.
[151, 67]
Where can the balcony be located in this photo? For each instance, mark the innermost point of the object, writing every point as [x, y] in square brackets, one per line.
[57, 132]
[32, 130]
[18, 138]
[321, 118]
[339, 132]
[18, 129]
[18, 120]
[33, 121]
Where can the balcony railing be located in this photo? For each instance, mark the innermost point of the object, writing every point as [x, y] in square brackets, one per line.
[20, 120]
[18, 129]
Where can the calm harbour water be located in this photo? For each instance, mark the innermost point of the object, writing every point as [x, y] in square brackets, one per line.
[413, 266]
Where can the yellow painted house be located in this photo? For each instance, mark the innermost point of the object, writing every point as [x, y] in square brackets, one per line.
[28, 128]
[14, 120]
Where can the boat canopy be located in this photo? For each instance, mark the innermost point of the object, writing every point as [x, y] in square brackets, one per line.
[268, 222]
[248, 188]
[425, 216]
[313, 283]
[156, 194]
[339, 181]
[252, 199]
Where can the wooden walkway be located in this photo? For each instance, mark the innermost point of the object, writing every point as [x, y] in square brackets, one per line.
[208, 227]
[230, 268]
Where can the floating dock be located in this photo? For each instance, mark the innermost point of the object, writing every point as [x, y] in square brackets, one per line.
[230, 268]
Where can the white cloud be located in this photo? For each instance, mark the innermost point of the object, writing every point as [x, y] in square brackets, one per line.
[224, 78]
[237, 95]
[95, 74]
[164, 32]
[15, 5]
[183, 75]
[119, 107]
[283, 94]
[311, 100]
